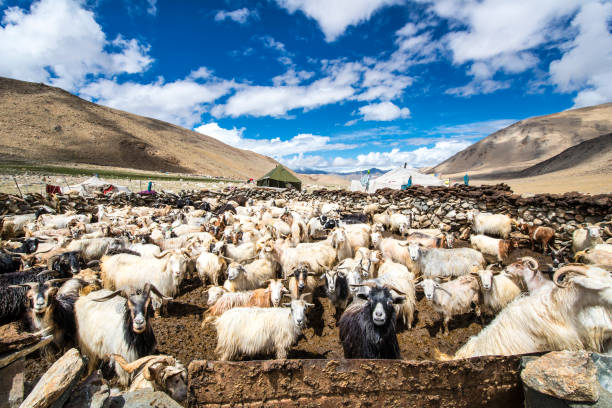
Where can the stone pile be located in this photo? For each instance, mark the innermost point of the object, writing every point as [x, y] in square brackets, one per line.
[429, 205]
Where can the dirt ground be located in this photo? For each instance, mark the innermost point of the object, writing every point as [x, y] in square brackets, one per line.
[180, 333]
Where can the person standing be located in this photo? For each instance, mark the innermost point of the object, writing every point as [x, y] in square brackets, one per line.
[466, 179]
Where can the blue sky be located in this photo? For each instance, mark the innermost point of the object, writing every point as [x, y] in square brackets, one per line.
[333, 85]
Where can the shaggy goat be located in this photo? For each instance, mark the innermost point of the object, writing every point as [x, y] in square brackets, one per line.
[249, 331]
[491, 224]
[367, 329]
[548, 319]
[111, 324]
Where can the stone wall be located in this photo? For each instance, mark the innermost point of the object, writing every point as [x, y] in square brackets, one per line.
[429, 205]
[492, 381]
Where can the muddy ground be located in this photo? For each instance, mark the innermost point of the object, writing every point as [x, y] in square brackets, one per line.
[181, 334]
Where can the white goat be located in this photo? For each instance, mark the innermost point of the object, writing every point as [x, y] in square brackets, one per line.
[548, 319]
[497, 290]
[490, 224]
[584, 238]
[249, 331]
[432, 262]
[451, 298]
[210, 267]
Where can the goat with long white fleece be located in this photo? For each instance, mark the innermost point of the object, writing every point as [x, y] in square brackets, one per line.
[548, 319]
[115, 323]
[451, 298]
[490, 224]
[263, 297]
[319, 256]
[497, 289]
[584, 238]
[129, 272]
[440, 262]
[400, 223]
[210, 267]
[249, 331]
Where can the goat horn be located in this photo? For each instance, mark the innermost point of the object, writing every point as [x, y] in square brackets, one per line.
[531, 262]
[163, 254]
[150, 287]
[561, 272]
[608, 230]
[391, 287]
[304, 295]
[112, 295]
[57, 280]
[30, 285]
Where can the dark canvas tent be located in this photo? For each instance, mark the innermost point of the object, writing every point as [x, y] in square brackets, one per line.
[280, 177]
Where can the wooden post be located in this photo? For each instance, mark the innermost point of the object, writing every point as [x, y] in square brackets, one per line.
[17, 184]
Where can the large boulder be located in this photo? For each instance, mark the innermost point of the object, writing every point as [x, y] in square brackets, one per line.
[567, 375]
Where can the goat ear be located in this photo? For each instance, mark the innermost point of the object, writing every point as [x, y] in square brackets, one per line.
[398, 300]
[154, 371]
[589, 283]
[362, 296]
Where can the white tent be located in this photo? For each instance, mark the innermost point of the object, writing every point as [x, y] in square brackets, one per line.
[91, 185]
[396, 178]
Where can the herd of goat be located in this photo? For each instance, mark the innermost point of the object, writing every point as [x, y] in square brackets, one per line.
[94, 280]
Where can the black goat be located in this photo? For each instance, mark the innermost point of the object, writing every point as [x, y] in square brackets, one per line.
[49, 310]
[367, 330]
[13, 299]
[67, 262]
[9, 262]
[223, 208]
[354, 218]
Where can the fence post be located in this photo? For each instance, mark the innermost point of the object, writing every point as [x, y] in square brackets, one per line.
[18, 189]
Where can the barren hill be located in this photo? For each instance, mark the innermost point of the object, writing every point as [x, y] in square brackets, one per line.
[39, 123]
[590, 156]
[530, 141]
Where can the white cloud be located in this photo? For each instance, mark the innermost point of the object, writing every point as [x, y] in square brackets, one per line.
[421, 157]
[152, 9]
[270, 42]
[587, 65]
[384, 111]
[239, 16]
[501, 36]
[59, 42]
[301, 143]
[334, 16]
[181, 102]
[277, 101]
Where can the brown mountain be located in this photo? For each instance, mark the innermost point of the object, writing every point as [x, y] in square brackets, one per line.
[43, 124]
[531, 141]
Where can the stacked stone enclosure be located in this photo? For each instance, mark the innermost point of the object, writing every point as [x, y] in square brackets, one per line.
[430, 206]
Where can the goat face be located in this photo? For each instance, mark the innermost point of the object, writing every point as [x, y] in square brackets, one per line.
[380, 304]
[330, 280]
[177, 265]
[234, 270]
[298, 311]
[175, 384]
[67, 262]
[375, 237]
[40, 295]
[217, 247]
[429, 287]
[138, 305]
[593, 232]
[301, 274]
[450, 239]
[414, 250]
[486, 278]
[277, 290]
[403, 228]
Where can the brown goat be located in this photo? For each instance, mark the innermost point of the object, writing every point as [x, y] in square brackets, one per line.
[542, 235]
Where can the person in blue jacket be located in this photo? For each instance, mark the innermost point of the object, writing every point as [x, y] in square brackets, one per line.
[466, 179]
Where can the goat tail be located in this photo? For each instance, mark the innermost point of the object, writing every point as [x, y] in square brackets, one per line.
[438, 355]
